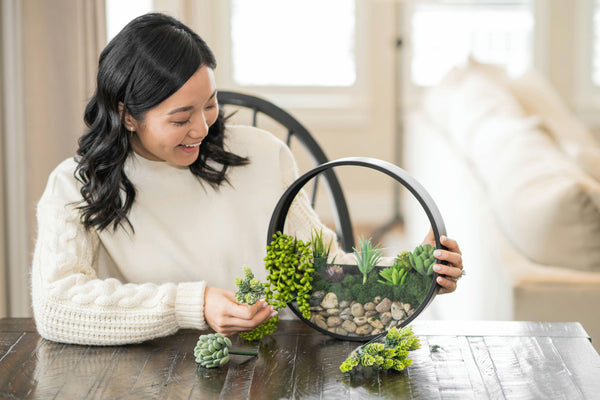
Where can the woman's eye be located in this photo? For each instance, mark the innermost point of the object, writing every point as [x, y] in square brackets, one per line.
[181, 123]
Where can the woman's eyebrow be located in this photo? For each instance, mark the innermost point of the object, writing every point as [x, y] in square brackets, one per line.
[180, 109]
[188, 108]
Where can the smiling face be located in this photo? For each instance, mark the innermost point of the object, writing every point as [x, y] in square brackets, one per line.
[173, 130]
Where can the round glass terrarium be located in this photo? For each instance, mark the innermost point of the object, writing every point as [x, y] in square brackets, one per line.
[347, 303]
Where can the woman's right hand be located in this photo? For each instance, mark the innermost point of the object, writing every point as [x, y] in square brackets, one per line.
[227, 317]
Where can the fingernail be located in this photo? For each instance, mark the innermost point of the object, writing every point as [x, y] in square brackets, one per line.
[274, 313]
[264, 304]
[440, 280]
[437, 253]
[443, 238]
[437, 267]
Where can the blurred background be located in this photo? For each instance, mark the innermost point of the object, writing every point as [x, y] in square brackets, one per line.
[352, 71]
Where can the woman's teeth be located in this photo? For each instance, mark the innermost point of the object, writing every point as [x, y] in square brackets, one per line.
[191, 145]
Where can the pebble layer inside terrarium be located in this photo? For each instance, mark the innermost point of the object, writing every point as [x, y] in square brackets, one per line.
[341, 303]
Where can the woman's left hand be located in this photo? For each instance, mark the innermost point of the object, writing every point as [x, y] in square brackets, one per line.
[449, 274]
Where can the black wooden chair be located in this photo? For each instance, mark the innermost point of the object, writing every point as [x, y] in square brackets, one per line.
[234, 102]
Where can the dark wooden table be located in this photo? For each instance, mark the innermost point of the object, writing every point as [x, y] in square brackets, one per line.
[475, 360]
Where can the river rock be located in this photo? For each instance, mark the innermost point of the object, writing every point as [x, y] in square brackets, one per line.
[370, 306]
[333, 311]
[384, 305]
[349, 326]
[334, 321]
[377, 299]
[397, 310]
[407, 307]
[340, 331]
[364, 329]
[330, 301]
[376, 331]
[344, 304]
[345, 311]
[360, 320]
[316, 298]
[385, 317]
[375, 323]
[319, 321]
[357, 310]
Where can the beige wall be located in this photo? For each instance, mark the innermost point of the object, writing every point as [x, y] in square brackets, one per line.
[3, 293]
[59, 46]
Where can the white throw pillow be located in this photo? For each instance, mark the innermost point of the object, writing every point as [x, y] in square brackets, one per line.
[546, 204]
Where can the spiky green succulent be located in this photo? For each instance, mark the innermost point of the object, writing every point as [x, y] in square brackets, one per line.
[368, 256]
[422, 259]
[392, 354]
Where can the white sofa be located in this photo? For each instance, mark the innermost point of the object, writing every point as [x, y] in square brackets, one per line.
[517, 179]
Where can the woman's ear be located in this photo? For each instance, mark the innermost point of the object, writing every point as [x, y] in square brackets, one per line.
[129, 122]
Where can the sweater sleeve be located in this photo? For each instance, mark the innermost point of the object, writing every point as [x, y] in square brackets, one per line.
[72, 305]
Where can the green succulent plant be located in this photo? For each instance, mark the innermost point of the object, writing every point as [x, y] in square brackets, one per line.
[291, 271]
[249, 289]
[213, 350]
[422, 259]
[392, 354]
[368, 256]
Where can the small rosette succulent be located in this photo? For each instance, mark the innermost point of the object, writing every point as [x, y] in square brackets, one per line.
[422, 259]
[212, 350]
[250, 289]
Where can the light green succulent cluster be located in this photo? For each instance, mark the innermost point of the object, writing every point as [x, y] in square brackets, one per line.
[212, 350]
[422, 259]
[396, 274]
[250, 289]
[392, 354]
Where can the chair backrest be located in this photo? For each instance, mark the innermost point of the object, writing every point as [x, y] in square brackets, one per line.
[294, 129]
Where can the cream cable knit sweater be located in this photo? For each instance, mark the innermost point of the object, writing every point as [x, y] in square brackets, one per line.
[116, 287]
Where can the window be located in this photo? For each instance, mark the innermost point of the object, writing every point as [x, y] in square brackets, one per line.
[445, 33]
[288, 43]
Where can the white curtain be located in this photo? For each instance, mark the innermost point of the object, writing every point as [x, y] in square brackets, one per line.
[49, 62]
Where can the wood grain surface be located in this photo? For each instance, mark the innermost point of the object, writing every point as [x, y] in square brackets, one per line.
[475, 360]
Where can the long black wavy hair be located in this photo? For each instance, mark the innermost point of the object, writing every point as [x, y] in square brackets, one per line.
[148, 61]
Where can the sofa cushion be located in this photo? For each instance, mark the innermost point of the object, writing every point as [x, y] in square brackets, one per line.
[545, 203]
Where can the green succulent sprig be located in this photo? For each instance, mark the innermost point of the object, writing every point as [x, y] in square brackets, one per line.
[291, 272]
[290, 278]
[422, 259]
[392, 354]
[368, 256]
[213, 350]
[249, 289]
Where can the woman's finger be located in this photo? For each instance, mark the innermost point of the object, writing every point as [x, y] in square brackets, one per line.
[446, 285]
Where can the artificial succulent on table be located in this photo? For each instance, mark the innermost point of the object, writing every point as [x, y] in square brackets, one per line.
[213, 350]
[392, 354]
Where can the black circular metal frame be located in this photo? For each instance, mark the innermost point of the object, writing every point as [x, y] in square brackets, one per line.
[418, 191]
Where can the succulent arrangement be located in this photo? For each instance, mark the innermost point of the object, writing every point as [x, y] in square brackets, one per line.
[213, 350]
[392, 354]
[396, 274]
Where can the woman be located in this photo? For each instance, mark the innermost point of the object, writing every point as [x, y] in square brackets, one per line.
[163, 197]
